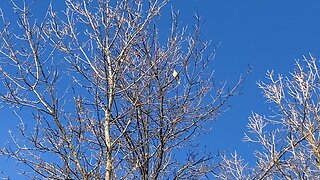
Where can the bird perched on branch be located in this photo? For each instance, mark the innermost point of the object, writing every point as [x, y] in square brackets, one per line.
[175, 74]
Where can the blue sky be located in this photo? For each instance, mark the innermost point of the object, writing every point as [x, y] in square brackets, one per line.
[265, 34]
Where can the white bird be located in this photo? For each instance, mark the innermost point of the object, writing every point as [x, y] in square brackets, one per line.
[175, 74]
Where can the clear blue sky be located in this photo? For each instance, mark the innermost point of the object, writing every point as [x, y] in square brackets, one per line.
[265, 34]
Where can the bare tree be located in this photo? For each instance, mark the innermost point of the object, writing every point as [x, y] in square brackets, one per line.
[289, 138]
[110, 97]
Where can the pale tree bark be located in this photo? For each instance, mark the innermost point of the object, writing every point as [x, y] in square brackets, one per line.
[289, 137]
[110, 96]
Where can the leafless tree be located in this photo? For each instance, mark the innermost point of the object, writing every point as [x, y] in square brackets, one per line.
[289, 138]
[109, 96]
